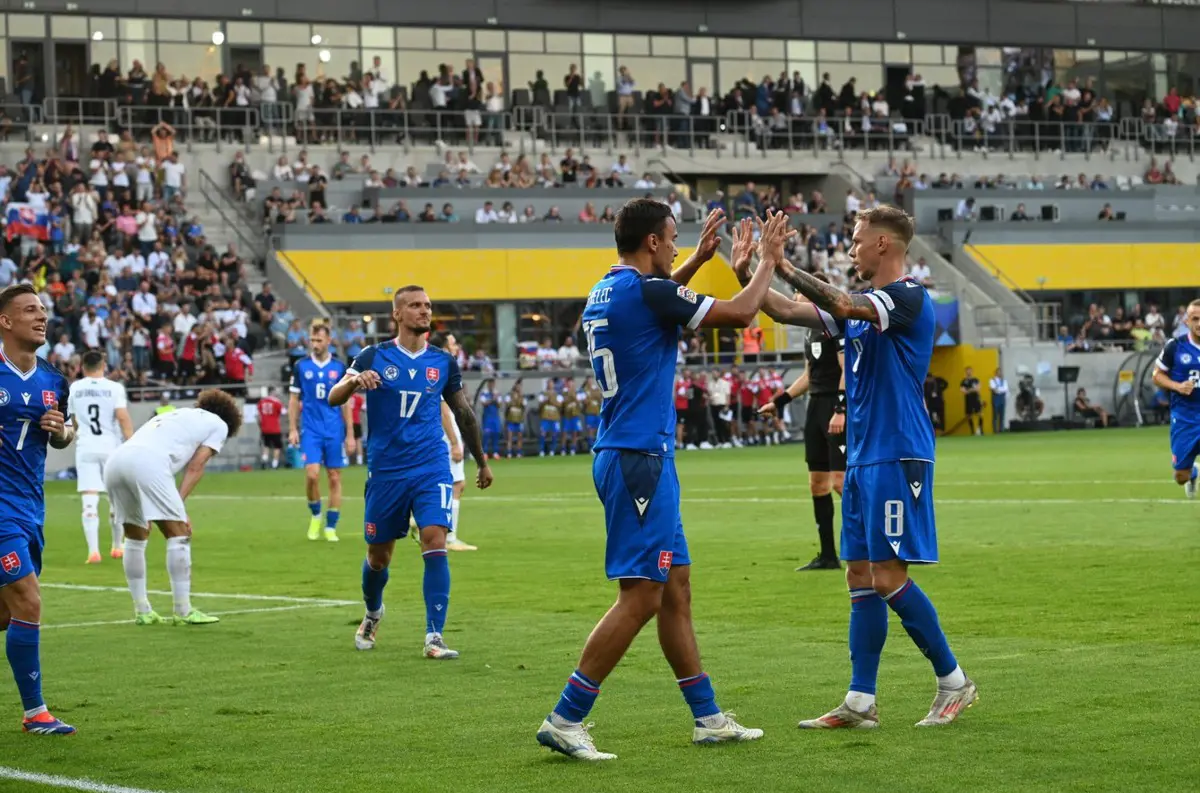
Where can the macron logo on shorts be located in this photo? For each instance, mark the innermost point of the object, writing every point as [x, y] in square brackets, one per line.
[664, 561]
[12, 563]
[641, 504]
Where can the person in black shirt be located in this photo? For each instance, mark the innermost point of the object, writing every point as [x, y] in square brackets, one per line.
[568, 168]
[316, 188]
[935, 402]
[573, 83]
[824, 433]
[974, 405]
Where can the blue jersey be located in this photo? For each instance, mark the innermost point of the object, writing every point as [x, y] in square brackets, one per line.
[313, 382]
[632, 322]
[886, 364]
[24, 397]
[1180, 361]
[489, 405]
[405, 411]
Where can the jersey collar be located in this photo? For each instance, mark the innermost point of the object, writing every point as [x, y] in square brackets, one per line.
[408, 352]
[321, 364]
[13, 367]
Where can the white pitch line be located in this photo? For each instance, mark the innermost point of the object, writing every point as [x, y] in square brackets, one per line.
[214, 613]
[237, 596]
[66, 782]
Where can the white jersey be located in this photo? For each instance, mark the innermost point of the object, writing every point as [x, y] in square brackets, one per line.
[178, 435]
[94, 401]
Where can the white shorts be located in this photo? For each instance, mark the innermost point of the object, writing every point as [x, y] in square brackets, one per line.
[89, 470]
[458, 470]
[473, 118]
[141, 488]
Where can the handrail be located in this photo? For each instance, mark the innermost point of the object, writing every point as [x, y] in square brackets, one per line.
[207, 185]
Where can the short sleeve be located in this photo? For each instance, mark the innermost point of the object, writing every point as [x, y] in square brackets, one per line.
[120, 400]
[64, 397]
[362, 362]
[898, 304]
[832, 327]
[674, 303]
[453, 378]
[217, 435]
[295, 386]
[1166, 359]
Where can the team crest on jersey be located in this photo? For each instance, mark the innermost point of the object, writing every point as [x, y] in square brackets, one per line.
[333, 375]
[49, 399]
[1186, 358]
[686, 294]
[664, 561]
[11, 563]
[308, 374]
[4, 397]
[390, 372]
[432, 374]
[370, 527]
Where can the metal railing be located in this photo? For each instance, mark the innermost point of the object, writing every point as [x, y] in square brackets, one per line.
[1060, 138]
[225, 205]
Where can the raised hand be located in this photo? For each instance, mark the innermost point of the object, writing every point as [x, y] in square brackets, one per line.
[743, 248]
[710, 241]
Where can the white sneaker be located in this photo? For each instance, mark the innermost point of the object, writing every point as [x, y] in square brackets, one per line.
[728, 730]
[1189, 488]
[364, 639]
[726, 445]
[458, 545]
[691, 447]
[436, 649]
[571, 739]
[705, 445]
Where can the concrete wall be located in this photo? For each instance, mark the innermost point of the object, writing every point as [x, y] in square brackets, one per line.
[1073, 205]
[1089, 231]
[1097, 373]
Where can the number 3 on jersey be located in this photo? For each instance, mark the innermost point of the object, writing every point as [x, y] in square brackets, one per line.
[606, 372]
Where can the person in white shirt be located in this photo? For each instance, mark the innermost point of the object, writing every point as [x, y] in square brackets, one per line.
[91, 328]
[120, 176]
[140, 477]
[101, 415]
[1153, 319]
[147, 234]
[174, 177]
[64, 349]
[999, 389]
[852, 203]
[159, 261]
[145, 178]
[486, 214]
[568, 354]
[85, 206]
[184, 321]
[144, 303]
[921, 273]
[645, 183]
[99, 178]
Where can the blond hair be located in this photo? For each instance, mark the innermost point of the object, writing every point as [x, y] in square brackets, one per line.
[318, 325]
[895, 221]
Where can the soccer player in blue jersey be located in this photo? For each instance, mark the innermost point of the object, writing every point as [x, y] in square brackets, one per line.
[633, 319]
[887, 497]
[489, 404]
[33, 410]
[408, 468]
[326, 432]
[1177, 371]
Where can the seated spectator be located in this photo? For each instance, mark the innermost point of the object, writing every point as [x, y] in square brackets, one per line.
[317, 215]
[588, 213]
[352, 216]
[282, 172]
[1019, 213]
[607, 216]
[529, 215]
[398, 214]
[553, 216]
[427, 214]
[921, 273]
[486, 214]
[1089, 410]
[448, 215]
[506, 214]
[1106, 213]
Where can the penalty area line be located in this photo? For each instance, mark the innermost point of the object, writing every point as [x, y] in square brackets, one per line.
[236, 596]
[213, 613]
[66, 782]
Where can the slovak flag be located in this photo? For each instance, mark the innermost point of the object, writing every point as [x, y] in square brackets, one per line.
[24, 219]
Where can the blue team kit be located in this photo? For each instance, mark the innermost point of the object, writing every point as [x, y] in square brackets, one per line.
[1180, 361]
[408, 467]
[322, 427]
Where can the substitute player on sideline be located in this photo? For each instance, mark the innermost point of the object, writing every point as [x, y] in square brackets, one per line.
[141, 483]
[33, 409]
[632, 320]
[887, 501]
[101, 424]
[1177, 371]
[270, 415]
[824, 432]
[454, 448]
[325, 433]
[408, 469]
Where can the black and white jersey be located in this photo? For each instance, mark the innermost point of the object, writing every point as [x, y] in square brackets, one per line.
[824, 370]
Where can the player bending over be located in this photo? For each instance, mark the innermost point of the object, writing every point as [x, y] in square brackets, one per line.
[325, 431]
[887, 501]
[1177, 371]
[33, 408]
[824, 431]
[101, 423]
[140, 477]
[633, 319]
[408, 469]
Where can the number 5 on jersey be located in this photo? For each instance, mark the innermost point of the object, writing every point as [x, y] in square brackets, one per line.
[606, 372]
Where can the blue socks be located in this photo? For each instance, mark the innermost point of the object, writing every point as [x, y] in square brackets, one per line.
[868, 632]
[331, 517]
[436, 587]
[373, 582]
[920, 619]
[577, 698]
[699, 695]
[315, 508]
[22, 648]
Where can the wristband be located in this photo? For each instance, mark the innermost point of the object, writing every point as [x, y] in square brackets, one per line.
[840, 407]
[782, 400]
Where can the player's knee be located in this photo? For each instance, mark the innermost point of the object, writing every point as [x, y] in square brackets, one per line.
[886, 580]
[433, 538]
[677, 596]
[24, 600]
[641, 599]
[378, 557]
[839, 479]
[858, 575]
[819, 483]
[335, 476]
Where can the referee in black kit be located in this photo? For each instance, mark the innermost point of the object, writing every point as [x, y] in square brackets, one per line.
[824, 432]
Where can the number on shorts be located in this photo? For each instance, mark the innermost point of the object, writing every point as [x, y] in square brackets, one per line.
[606, 374]
[320, 390]
[857, 354]
[93, 412]
[24, 431]
[893, 518]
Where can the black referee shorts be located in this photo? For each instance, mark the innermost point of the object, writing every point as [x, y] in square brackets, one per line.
[822, 451]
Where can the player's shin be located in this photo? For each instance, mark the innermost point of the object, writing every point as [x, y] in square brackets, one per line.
[436, 588]
[179, 570]
[134, 563]
[118, 534]
[577, 698]
[373, 583]
[91, 524]
[920, 619]
[22, 646]
[868, 634]
[823, 511]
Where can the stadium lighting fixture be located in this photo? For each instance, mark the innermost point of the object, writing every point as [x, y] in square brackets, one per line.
[323, 56]
[316, 39]
[218, 38]
[97, 36]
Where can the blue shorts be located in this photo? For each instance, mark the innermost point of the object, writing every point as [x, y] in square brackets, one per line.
[640, 493]
[550, 427]
[425, 496]
[593, 422]
[887, 513]
[491, 424]
[515, 426]
[573, 425]
[1185, 445]
[20, 555]
[319, 450]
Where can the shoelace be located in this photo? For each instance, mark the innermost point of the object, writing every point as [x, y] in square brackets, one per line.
[587, 736]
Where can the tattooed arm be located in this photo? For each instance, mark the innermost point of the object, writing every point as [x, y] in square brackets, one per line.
[783, 309]
[468, 425]
[841, 305]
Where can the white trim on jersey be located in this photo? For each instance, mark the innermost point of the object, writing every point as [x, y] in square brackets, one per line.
[701, 312]
[831, 326]
[880, 309]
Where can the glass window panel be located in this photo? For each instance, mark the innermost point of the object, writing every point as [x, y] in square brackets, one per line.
[203, 30]
[4, 58]
[701, 47]
[414, 38]
[1160, 84]
[563, 43]
[288, 58]
[833, 51]
[808, 73]
[734, 69]
[489, 41]
[944, 76]
[802, 50]
[289, 33]
[949, 54]
[923, 53]
[451, 39]
[991, 78]
[106, 25]
[1113, 56]
[598, 44]
[526, 41]
[633, 45]
[387, 62]
[988, 56]
[522, 68]
[897, 53]
[337, 35]
[649, 72]
[600, 71]
[840, 72]
[866, 52]
[734, 48]
[769, 49]
[338, 67]
[102, 52]
[1160, 62]
[378, 37]
[410, 64]
[168, 30]
[193, 60]
[144, 51]
[243, 33]
[69, 27]
[667, 45]
[28, 26]
[4, 25]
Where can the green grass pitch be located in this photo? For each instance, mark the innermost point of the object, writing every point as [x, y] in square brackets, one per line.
[1068, 588]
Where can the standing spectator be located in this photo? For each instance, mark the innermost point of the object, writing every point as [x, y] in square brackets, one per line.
[573, 83]
[935, 400]
[547, 358]
[999, 388]
[164, 354]
[174, 177]
[973, 404]
[568, 354]
[719, 389]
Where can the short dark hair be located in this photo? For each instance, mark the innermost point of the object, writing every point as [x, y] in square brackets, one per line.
[437, 340]
[404, 290]
[223, 406]
[92, 360]
[10, 293]
[637, 220]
